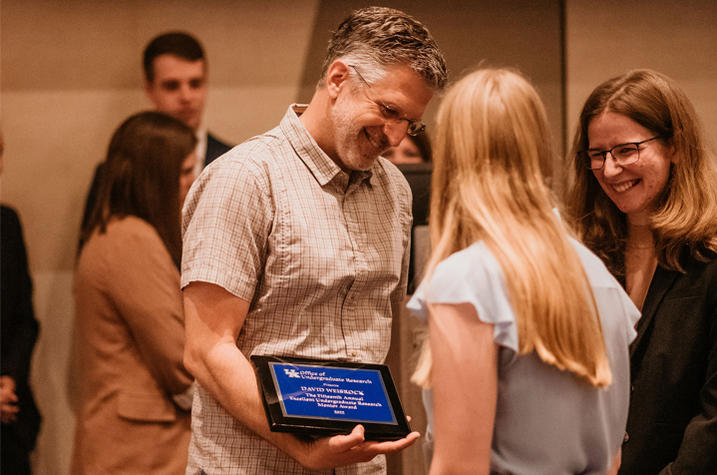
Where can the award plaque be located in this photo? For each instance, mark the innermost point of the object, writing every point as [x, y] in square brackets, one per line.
[321, 398]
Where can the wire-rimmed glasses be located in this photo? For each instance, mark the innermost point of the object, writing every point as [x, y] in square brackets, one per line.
[623, 154]
[413, 127]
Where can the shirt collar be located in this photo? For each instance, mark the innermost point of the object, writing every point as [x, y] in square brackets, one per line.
[319, 163]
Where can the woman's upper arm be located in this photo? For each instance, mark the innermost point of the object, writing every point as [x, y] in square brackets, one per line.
[464, 381]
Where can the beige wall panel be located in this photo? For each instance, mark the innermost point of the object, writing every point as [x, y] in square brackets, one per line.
[80, 44]
[52, 376]
[607, 38]
[258, 108]
[67, 45]
[53, 141]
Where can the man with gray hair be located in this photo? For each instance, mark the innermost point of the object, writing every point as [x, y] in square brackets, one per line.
[296, 244]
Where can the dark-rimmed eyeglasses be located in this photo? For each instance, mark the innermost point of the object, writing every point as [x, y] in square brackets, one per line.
[624, 154]
[413, 127]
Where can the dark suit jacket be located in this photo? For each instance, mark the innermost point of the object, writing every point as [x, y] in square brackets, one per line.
[19, 332]
[215, 148]
[672, 423]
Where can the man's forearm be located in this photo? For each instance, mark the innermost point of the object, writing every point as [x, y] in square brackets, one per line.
[230, 378]
[212, 356]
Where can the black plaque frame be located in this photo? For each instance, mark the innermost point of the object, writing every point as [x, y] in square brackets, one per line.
[322, 427]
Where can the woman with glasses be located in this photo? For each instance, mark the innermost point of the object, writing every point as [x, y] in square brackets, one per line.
[643, 196]
[528, 332]
[134, 390]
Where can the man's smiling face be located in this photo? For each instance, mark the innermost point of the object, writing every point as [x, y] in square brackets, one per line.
[361, 130]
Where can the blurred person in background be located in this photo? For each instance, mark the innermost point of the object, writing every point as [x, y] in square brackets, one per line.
[175, 81]
[135, 394]
[412, 149]
[18, 412]
[413, 157]
[175, 73]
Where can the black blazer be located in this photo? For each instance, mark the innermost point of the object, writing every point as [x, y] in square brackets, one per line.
[19, 333]
[215, 148]
[672, 423]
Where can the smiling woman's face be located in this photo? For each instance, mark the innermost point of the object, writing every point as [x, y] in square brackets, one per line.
[634, 188]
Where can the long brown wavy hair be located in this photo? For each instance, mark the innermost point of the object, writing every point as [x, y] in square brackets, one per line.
[685, 220]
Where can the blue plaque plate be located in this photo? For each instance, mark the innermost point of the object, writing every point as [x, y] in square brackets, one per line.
[321, 398]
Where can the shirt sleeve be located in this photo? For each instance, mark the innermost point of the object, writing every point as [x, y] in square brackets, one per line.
[226, 221]
[471, 276]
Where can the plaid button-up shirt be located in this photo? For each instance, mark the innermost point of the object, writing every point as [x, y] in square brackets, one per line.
[321, 255]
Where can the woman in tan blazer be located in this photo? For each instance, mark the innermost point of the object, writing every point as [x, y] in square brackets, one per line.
[134, 415]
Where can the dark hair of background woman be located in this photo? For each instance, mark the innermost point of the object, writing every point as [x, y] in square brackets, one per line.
[141, 177]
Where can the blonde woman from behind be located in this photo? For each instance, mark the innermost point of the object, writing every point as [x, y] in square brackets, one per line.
[527, 357]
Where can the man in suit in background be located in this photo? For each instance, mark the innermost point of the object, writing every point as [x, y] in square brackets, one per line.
[175, 73]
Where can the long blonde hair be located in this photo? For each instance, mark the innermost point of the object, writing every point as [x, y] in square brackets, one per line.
[493, 150]
[685, 220]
